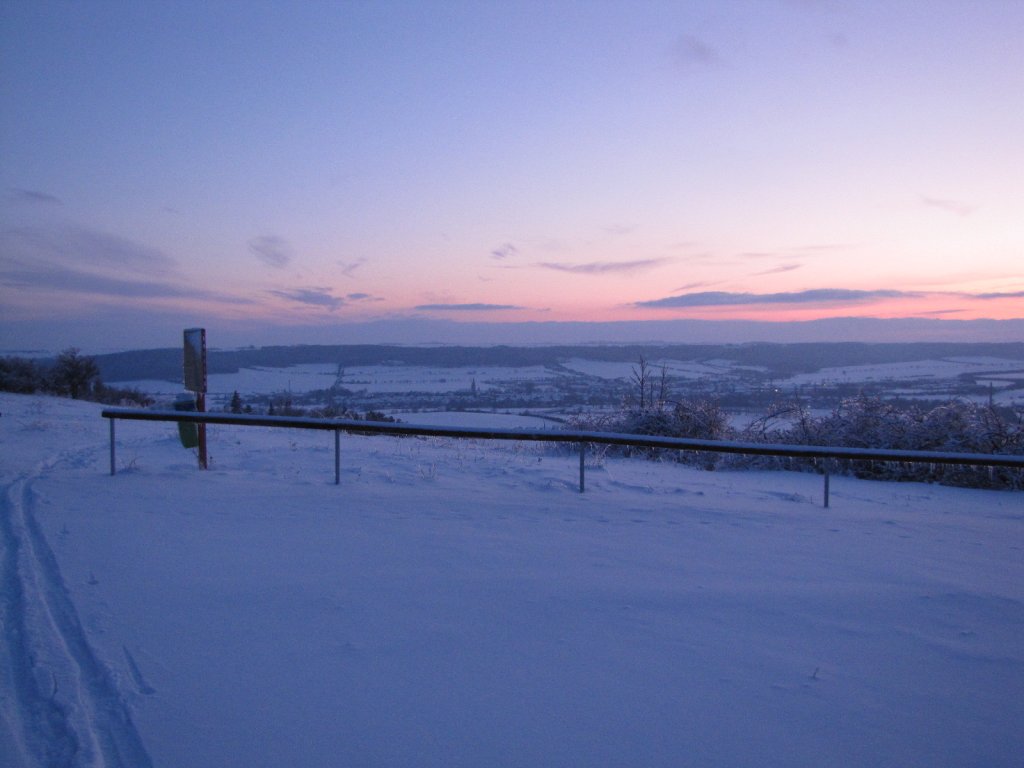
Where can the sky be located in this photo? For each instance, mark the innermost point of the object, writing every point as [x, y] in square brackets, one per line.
[311, 172]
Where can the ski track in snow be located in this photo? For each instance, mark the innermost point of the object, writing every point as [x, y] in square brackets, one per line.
[60, 704]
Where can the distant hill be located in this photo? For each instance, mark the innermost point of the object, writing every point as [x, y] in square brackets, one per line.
[779, 359]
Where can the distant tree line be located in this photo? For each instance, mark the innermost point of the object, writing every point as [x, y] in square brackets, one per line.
[70, 374]
[780, 360]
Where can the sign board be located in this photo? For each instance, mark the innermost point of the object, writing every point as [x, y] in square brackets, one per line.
[195, 360]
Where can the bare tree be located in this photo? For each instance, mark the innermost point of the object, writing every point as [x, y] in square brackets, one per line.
[662, 387]
[641, 376]
[74, 373]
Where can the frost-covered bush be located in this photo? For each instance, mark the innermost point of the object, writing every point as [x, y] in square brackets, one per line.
[953, 426]
[866, 422]
[18, 374]
[102, 393]
[72, 374]
[700, 419]
[858, 422]
[870, 422]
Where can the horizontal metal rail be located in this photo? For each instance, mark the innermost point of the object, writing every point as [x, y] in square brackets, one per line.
[563, 436]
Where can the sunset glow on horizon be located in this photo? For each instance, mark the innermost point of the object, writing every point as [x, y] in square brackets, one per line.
[319, 164]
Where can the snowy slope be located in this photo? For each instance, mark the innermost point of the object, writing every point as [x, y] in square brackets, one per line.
[460, 604]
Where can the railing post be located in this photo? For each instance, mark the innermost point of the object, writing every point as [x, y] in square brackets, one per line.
[113, 464]
[337, 457]
[583, 452]
[201, 407]
[826, 488]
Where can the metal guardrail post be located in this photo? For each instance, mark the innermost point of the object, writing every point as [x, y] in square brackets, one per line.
[583, 452]
[204, 462]
[337, 457]
[113, 465]
[826, 488]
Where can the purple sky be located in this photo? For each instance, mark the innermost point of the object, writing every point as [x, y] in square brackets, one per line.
[323, 171]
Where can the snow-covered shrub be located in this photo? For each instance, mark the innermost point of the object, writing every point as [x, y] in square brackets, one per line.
[865, 422]
[700, 419]
[102, 393]
[858, 422]
[953, 427]
[72, 374]
[18, 374]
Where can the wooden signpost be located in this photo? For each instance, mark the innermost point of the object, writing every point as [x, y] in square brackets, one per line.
[195, 379]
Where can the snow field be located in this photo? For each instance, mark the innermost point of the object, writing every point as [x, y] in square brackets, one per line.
[459, 603]
[1005, 376]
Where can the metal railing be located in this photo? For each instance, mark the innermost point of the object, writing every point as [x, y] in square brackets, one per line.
[582, 438]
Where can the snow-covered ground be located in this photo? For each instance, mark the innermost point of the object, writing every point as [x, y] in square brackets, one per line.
[251, 381]
[923, 370]
[1004, 375]
[460, 604]
[417, 378]
[363, 378]
[482, 419]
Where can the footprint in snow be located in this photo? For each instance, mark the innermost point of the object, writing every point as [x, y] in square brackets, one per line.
[140, 682]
